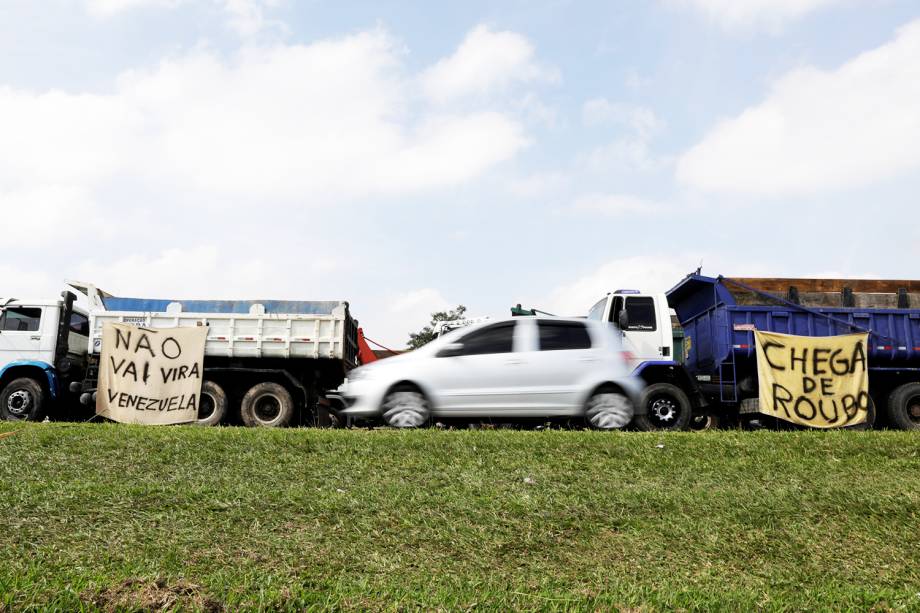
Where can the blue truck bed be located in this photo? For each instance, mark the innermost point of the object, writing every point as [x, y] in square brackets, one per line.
[719, 314]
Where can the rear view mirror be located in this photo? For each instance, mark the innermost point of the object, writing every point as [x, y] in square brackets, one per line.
[450, 350]
[623, 320]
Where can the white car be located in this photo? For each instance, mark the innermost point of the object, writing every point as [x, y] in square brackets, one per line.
[517, 367]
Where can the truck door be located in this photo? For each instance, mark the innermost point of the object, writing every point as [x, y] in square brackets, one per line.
[641, 338]
[20, 334]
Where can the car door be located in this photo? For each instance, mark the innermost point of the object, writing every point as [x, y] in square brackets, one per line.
[479, 378]
[641, 338]
[20, 334]
[556, 366]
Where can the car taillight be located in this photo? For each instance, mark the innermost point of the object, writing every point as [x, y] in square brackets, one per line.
[628, 355]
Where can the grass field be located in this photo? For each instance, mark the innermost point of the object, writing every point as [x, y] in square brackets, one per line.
[121, 517]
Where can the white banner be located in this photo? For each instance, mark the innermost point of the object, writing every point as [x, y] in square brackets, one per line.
[150, 376]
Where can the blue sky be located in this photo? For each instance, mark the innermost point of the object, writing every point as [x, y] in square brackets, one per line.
[409, 156]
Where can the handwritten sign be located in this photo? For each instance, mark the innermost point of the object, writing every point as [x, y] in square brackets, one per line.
[816, 381]
[150, 376]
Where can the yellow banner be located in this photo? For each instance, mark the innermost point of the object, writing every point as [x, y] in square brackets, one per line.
[150, 375]
[815, 381]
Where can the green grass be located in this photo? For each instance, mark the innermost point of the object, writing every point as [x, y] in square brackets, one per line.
[121, 517]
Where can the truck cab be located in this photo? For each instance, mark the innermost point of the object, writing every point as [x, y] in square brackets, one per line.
[43, 346]
[671, 400]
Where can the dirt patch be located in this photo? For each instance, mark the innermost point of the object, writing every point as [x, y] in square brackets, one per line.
[155, 595]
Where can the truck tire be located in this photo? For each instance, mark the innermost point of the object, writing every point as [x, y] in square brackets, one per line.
[870, 419]
[22, 399]
[708, 420]
[212, 406]
[663, 406]
[904, 407]
[267, 405]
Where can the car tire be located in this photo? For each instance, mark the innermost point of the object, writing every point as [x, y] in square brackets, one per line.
[22, 399]
[663, 406]
[212, 404]
[405, 407]
[904, 407]
[608, 409]
[267, 405]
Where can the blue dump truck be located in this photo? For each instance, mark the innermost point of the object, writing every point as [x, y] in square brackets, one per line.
[702, 369]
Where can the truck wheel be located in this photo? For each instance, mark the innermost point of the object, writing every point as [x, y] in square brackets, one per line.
[904, 407]
[405, 407]
[267, 405]
[22, 399]
[608, 410]
[663, 406]
[212, 405]
[705, 421]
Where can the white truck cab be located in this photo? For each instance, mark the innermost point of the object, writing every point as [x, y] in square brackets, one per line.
[43, 346]
[644, 320]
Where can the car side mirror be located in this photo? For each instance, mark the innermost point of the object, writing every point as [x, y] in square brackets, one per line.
[623, 320]
[450, 350]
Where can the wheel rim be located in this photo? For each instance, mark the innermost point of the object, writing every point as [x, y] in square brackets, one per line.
[19, 403]
[664, 410]
[206, 406]
[267, 408]
[913, 409]
[609, 411]
[405, 410]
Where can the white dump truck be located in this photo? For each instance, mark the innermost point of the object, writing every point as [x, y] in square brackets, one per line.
[266, 363]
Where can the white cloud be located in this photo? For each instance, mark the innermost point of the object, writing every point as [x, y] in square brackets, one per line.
[29, 283]
[744, 14]
[36, 217]
[245, 17]
[405, 312]
[486, 60]
[644, 273]
[314, 122]
[820, 129]
[632, 150]
[616, 205]
[205, 271]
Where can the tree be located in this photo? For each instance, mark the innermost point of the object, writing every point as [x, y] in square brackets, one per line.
[426, 335]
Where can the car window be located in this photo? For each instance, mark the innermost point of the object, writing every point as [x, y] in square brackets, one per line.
[641, 313]
[79, 324]
[497, 338]
[20, 319]
[597, 311]
[559, 335]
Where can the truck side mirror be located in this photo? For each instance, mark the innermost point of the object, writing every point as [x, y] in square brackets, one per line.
[623, 320]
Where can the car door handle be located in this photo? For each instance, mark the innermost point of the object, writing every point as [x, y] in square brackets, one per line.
[513, 362]
[587, 359]
[35, 338]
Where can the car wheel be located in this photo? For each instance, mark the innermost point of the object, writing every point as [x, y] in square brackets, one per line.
[22, 399]
[904, 407]
[267, 405]
[608, 410]
[405, 407]
[663, 406]
[212, 404]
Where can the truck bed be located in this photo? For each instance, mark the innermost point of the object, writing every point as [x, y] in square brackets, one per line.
[244, 329]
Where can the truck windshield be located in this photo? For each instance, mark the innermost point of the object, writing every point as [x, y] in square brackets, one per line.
[597, 311]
